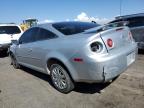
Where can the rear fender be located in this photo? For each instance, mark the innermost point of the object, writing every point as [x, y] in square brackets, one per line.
[66, 62]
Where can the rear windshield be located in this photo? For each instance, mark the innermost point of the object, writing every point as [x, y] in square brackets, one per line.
[9, 30]
[69, 28]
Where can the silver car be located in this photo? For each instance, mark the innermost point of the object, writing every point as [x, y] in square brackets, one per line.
[75, 52]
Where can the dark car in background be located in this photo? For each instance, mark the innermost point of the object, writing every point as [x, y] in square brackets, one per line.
[136, 25]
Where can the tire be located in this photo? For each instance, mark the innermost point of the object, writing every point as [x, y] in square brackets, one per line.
[61, 79]
[14, 62]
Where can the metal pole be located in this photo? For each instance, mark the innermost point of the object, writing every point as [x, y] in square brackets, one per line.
[120, 7]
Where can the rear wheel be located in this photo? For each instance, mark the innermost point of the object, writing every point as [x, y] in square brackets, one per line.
[14, 62]
[61, 79]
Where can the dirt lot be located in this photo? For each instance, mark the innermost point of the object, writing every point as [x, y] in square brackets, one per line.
[26, 88]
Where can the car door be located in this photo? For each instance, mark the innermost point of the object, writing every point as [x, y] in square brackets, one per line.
[41, 48]
[24, 49]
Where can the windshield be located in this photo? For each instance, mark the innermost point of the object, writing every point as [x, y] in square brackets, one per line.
[69, 28]
[9, 30]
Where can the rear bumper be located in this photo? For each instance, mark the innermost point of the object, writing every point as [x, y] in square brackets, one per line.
[118, 65]
[104, 68]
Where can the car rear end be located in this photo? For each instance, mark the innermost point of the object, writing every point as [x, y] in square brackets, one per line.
[107, 55]
[4, 42]
[121, 50]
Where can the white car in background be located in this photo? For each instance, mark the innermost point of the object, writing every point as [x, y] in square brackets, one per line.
[8, 32]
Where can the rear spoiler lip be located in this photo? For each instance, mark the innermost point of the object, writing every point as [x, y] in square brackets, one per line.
[106, 27]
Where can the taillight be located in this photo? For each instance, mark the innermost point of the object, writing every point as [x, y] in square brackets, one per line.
[110, 42]
[96, 47]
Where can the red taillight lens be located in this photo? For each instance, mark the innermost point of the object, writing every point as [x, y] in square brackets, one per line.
[110, 42]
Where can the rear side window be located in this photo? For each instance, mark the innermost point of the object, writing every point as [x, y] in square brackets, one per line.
[69, 28]
[44, 34]
[29, 36]
[9, 30]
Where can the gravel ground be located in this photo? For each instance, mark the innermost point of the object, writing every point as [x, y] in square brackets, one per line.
[26, 88]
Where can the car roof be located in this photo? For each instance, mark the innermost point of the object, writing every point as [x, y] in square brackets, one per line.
[130, 16]
[71, 22]
[63, 22]
[8, 24]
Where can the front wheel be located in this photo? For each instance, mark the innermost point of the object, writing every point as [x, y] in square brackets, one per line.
[61, 79]
[14, 62]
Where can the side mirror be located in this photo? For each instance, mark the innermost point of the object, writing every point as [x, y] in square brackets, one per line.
[14, 42]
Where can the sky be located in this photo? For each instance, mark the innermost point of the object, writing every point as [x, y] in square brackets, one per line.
[65, 10]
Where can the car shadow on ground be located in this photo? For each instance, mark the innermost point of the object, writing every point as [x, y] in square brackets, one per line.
[80, 87]
[40, 75]
[91, 88]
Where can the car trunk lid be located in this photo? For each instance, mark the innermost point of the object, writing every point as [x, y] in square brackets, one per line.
[116, 37]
